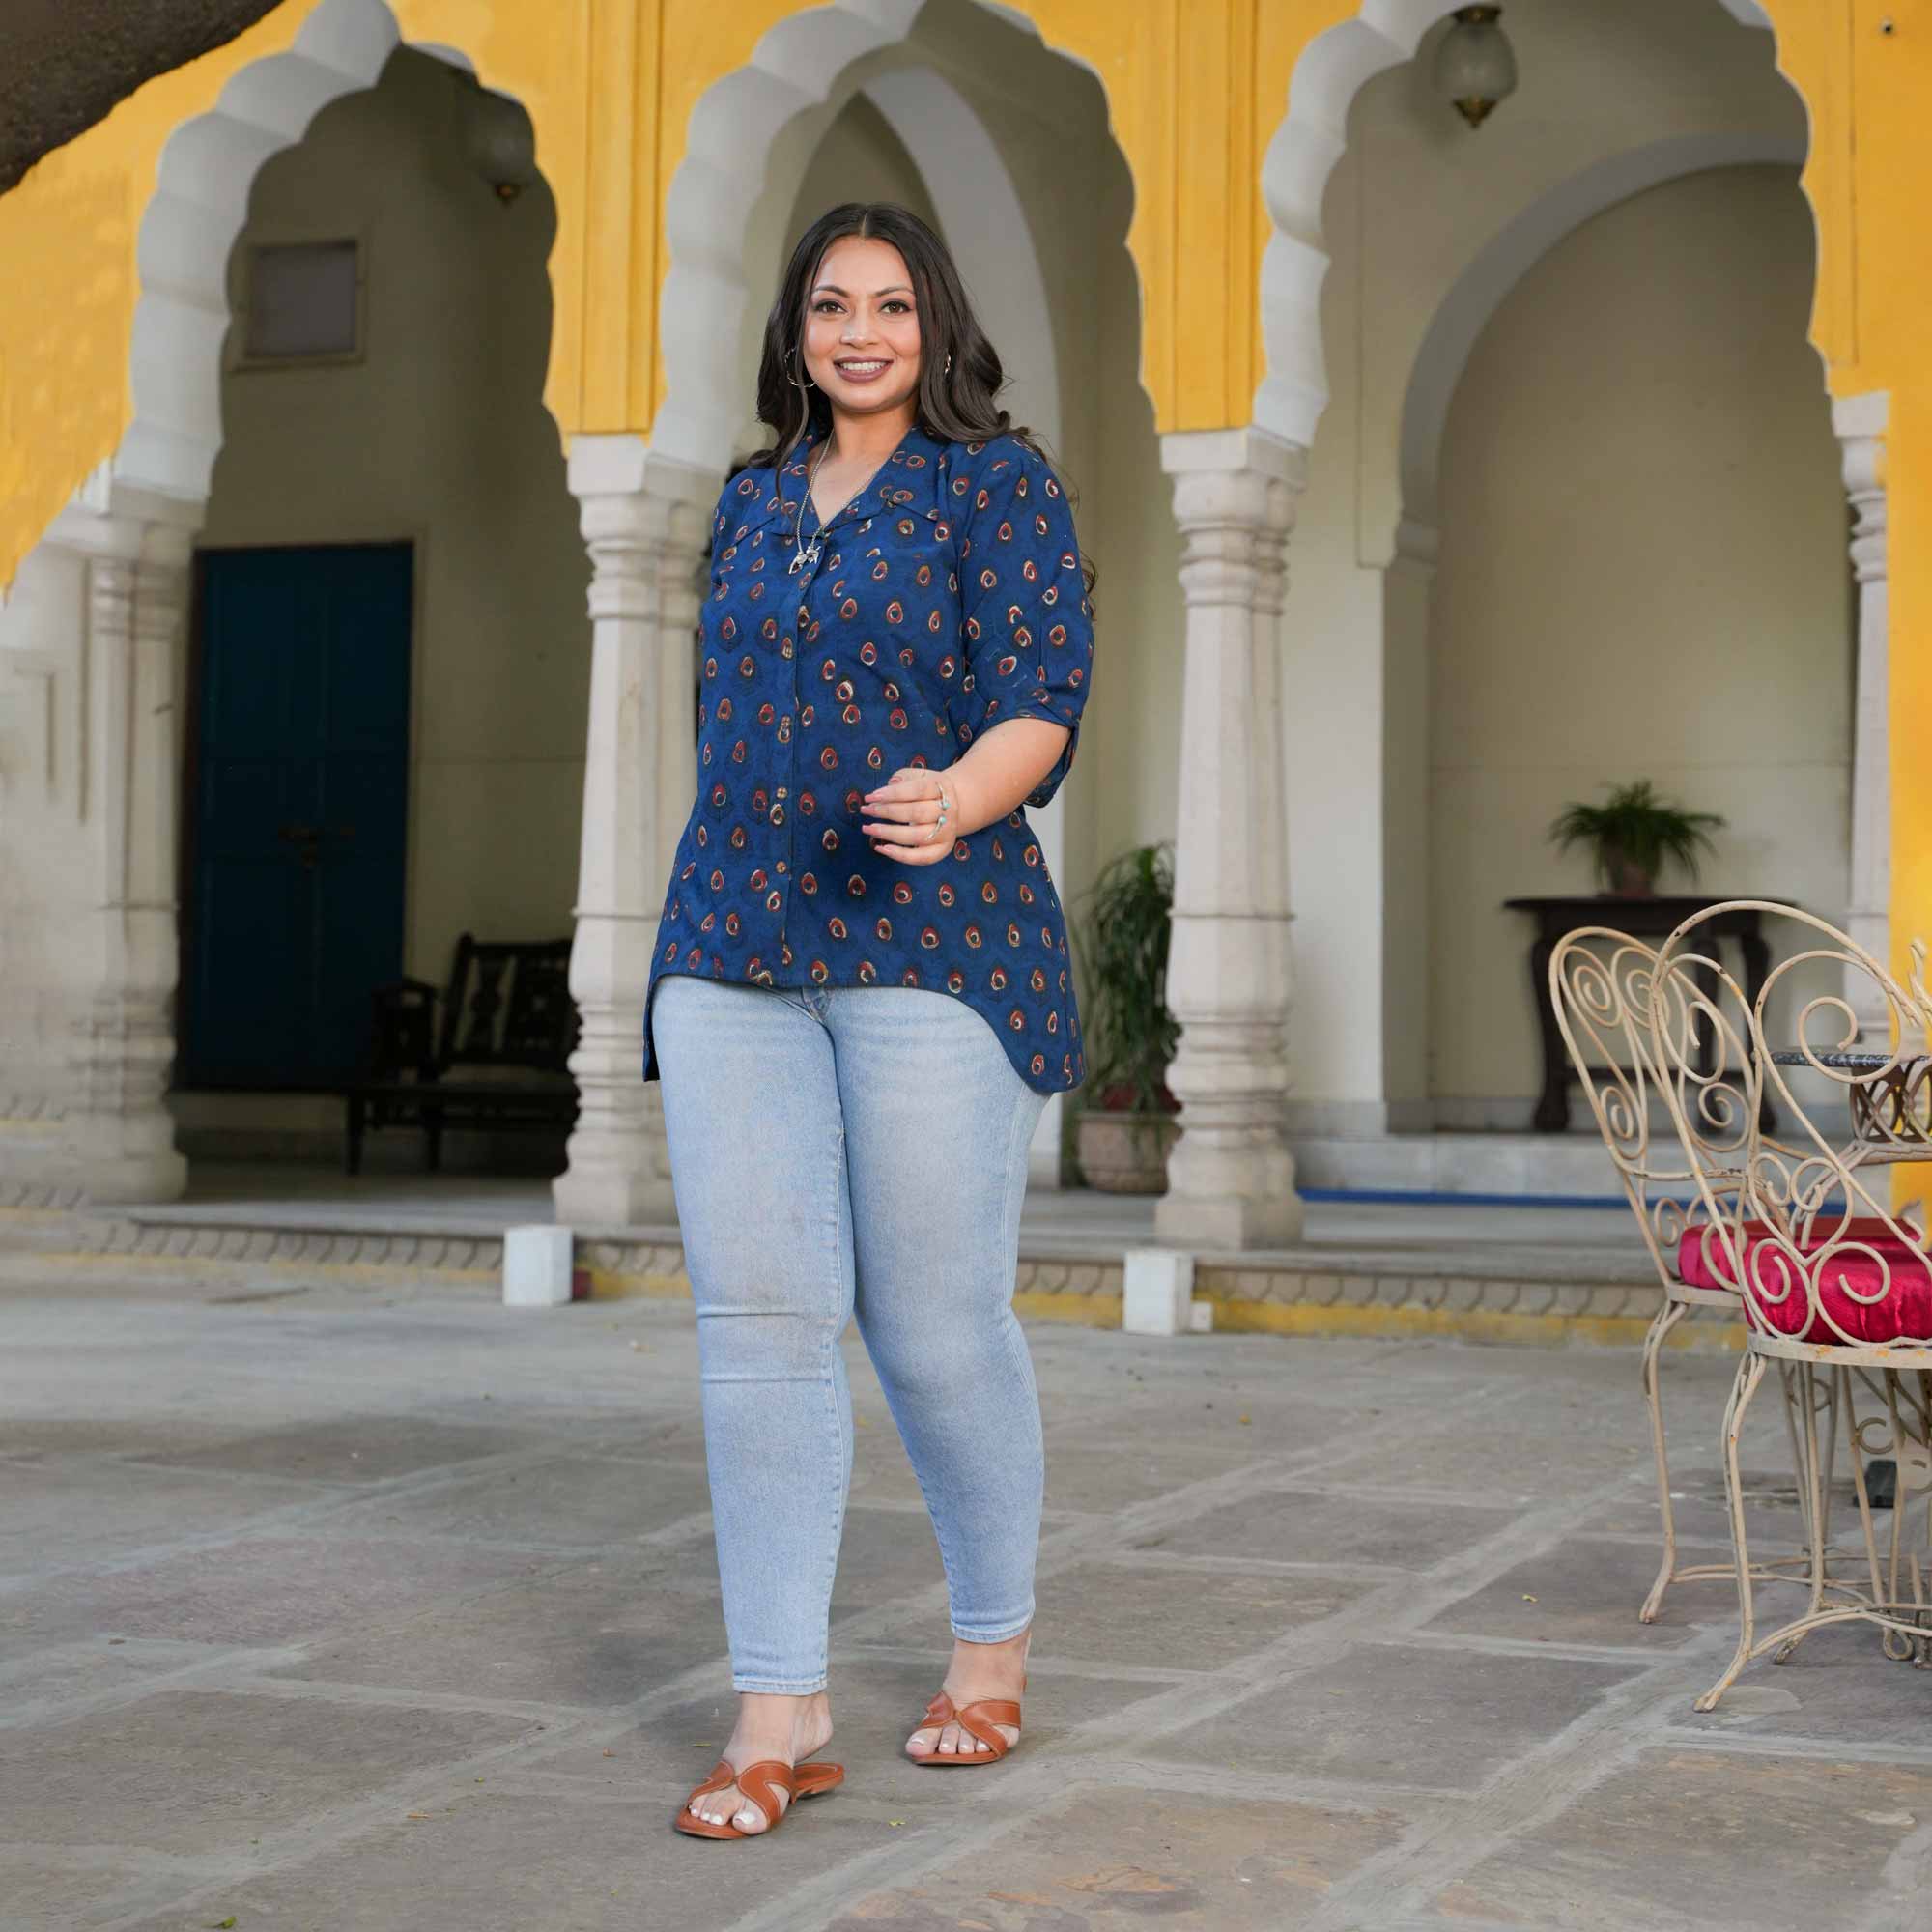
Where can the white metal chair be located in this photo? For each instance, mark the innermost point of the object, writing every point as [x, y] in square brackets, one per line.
[1671, 1169]
[1835, 1283]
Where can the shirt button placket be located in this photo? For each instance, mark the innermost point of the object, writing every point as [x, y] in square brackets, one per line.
[789, 866]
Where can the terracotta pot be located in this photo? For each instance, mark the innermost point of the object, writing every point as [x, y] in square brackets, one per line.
[1125, 1153]
[1628, 879]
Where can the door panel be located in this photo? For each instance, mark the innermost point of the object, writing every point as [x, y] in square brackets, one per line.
[298, 813]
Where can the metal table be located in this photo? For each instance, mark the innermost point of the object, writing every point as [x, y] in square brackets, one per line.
[1890, 1101]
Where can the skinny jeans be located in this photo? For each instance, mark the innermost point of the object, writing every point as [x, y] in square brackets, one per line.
[841, 1151]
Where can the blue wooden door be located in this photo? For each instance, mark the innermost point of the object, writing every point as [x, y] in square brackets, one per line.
[297, 813]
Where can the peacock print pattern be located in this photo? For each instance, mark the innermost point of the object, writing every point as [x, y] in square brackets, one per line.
[945, 597]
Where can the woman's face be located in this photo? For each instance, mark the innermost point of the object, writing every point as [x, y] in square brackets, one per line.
[861, 339]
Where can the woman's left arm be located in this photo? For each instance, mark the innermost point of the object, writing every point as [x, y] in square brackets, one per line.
[1027, 630]
[1004, 766]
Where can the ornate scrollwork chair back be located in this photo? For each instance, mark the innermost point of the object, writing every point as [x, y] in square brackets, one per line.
[1815, 1198]
[1674, 1174]
[1835, 1260]
[1711, 1083]
[1834, 1281]
[1683, 1171]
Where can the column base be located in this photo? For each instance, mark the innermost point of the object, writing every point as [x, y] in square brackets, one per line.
[613, 1200]
[1232, 1223]
[623, 1182]
[133, 1179]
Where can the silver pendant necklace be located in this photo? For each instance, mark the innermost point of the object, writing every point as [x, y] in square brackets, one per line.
[805, 555]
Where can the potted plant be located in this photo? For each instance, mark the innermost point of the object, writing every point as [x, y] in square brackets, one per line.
[1127, 1127]
[1633, 836]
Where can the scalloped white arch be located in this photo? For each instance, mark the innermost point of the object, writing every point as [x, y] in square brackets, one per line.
[1295, 177]
[1484, 284]
[794, 68]
[978, 207]
[198, 207]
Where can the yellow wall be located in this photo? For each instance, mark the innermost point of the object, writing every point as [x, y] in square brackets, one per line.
[1196, 93]
[610, 85]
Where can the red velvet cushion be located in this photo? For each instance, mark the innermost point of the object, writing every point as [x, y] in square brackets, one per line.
[1703, 1256]
[1904, 1314]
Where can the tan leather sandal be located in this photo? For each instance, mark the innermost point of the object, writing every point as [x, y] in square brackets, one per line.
[761, 1784]
[976, 1720]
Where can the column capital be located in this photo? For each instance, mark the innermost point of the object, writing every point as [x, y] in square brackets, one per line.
[1229, 452]
[644, 519]
[1233, 480]
[1865, 416]
[1235, 493]
[106, 517]
[627, 465]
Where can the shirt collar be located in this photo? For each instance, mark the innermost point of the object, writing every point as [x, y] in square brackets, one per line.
[911, 481]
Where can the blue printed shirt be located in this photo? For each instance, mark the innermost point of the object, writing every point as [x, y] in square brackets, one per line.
[945, 597]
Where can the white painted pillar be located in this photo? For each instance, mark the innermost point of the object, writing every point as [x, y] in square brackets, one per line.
[646, 521]
[136, 545]
[1861, 423]
[1408, 590]
[1230, 1179]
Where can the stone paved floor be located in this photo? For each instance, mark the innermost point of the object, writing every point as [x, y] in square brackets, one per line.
[335, 1607]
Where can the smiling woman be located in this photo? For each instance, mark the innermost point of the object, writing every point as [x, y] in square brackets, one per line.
[869, 283]
[860, 944]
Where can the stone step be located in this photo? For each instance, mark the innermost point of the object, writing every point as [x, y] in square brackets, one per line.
[1485, 1290]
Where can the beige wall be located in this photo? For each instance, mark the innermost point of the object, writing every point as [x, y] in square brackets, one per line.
[857, 158]
[439, 435]
[1643, 575]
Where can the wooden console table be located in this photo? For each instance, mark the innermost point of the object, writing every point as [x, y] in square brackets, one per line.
[1640, 919]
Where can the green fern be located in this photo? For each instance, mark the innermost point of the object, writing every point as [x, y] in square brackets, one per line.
[1635, 830]
[1120, 947]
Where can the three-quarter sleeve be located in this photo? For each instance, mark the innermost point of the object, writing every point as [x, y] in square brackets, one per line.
[1028, 628]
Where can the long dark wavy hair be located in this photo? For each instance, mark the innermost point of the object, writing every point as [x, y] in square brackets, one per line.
[959, 406]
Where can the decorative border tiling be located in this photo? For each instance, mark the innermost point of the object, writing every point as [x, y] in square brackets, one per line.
[1278, 1298]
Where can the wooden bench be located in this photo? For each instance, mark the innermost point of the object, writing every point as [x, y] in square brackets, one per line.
[499, 1061]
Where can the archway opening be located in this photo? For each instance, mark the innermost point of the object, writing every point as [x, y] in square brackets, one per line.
[384, 691]
[1642, 574]
[1399, 237]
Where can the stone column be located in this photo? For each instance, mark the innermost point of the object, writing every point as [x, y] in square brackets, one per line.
[1230, 1179]
[647, 522]
[137, 550]
[1860, 423]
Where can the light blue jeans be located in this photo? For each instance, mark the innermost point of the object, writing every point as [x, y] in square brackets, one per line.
[833, 1151]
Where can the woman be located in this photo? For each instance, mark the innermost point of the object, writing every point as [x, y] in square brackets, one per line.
[861, 998]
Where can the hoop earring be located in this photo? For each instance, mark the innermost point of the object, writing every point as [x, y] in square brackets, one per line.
[948, 370]
[808, 384]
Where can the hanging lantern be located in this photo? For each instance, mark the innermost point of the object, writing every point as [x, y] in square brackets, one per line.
[1475, 66]
[500, 143]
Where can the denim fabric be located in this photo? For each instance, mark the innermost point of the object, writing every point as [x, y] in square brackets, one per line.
[944, 598]
[840, 1152]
